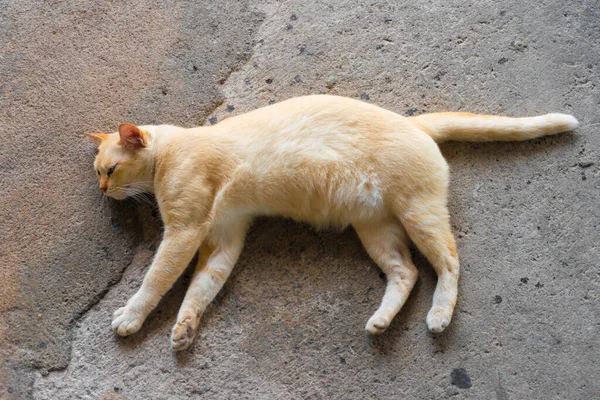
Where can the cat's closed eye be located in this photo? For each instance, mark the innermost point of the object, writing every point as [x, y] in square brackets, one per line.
[111, 170]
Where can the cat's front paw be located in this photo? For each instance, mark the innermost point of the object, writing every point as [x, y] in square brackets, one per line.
[127, 321]
[377, 324]
[438, 319]
[184, 331]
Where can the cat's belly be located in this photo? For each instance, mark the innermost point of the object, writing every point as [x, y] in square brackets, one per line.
[337, 201]
[335, 216]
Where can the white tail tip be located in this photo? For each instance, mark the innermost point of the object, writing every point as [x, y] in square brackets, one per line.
[564, 122]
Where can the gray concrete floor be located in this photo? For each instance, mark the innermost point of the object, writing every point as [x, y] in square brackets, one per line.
[289, 323]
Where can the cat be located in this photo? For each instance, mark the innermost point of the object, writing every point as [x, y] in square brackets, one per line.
[326, 160]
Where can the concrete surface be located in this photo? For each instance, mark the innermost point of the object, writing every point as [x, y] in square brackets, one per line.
[289, 323]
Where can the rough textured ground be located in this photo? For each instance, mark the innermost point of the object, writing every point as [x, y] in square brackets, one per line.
[289, 323]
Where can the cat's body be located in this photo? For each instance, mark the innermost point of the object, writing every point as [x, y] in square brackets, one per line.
[326, 160]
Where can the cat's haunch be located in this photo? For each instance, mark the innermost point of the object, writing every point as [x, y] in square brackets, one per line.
[326, 160]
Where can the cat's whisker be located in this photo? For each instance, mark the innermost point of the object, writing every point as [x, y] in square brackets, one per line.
[140, 197]
[133, 191]
[136, 183]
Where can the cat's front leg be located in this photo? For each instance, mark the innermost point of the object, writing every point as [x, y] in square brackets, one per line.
[174, 254]
[211, 273]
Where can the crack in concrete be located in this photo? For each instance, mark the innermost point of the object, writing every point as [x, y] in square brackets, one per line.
[265, 18]
[246, 59]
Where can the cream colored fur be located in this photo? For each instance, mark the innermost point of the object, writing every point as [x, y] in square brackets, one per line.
[326, 160]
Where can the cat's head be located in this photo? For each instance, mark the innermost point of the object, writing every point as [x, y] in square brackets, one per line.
[124, 161]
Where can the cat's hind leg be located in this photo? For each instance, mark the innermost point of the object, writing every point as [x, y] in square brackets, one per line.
[216, 260]
[387, 244]
[427, 223]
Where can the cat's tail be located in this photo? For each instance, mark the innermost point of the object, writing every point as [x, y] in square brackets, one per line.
[488, 128]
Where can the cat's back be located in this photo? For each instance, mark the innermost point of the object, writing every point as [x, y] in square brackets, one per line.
[321, 109]
[323, 126]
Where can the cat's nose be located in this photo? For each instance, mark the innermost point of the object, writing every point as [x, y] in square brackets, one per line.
[103, 188]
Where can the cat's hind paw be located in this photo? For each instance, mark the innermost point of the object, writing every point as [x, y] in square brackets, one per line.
[126, 321]
[184, 332]
[438, 319]
[376, 325]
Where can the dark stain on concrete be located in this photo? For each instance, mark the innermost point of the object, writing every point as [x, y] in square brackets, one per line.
[460, 378]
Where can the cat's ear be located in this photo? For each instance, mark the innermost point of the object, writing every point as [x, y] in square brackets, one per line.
[132, 136]
[97, 138]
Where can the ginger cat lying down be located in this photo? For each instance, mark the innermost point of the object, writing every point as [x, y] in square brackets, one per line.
[326, 160]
